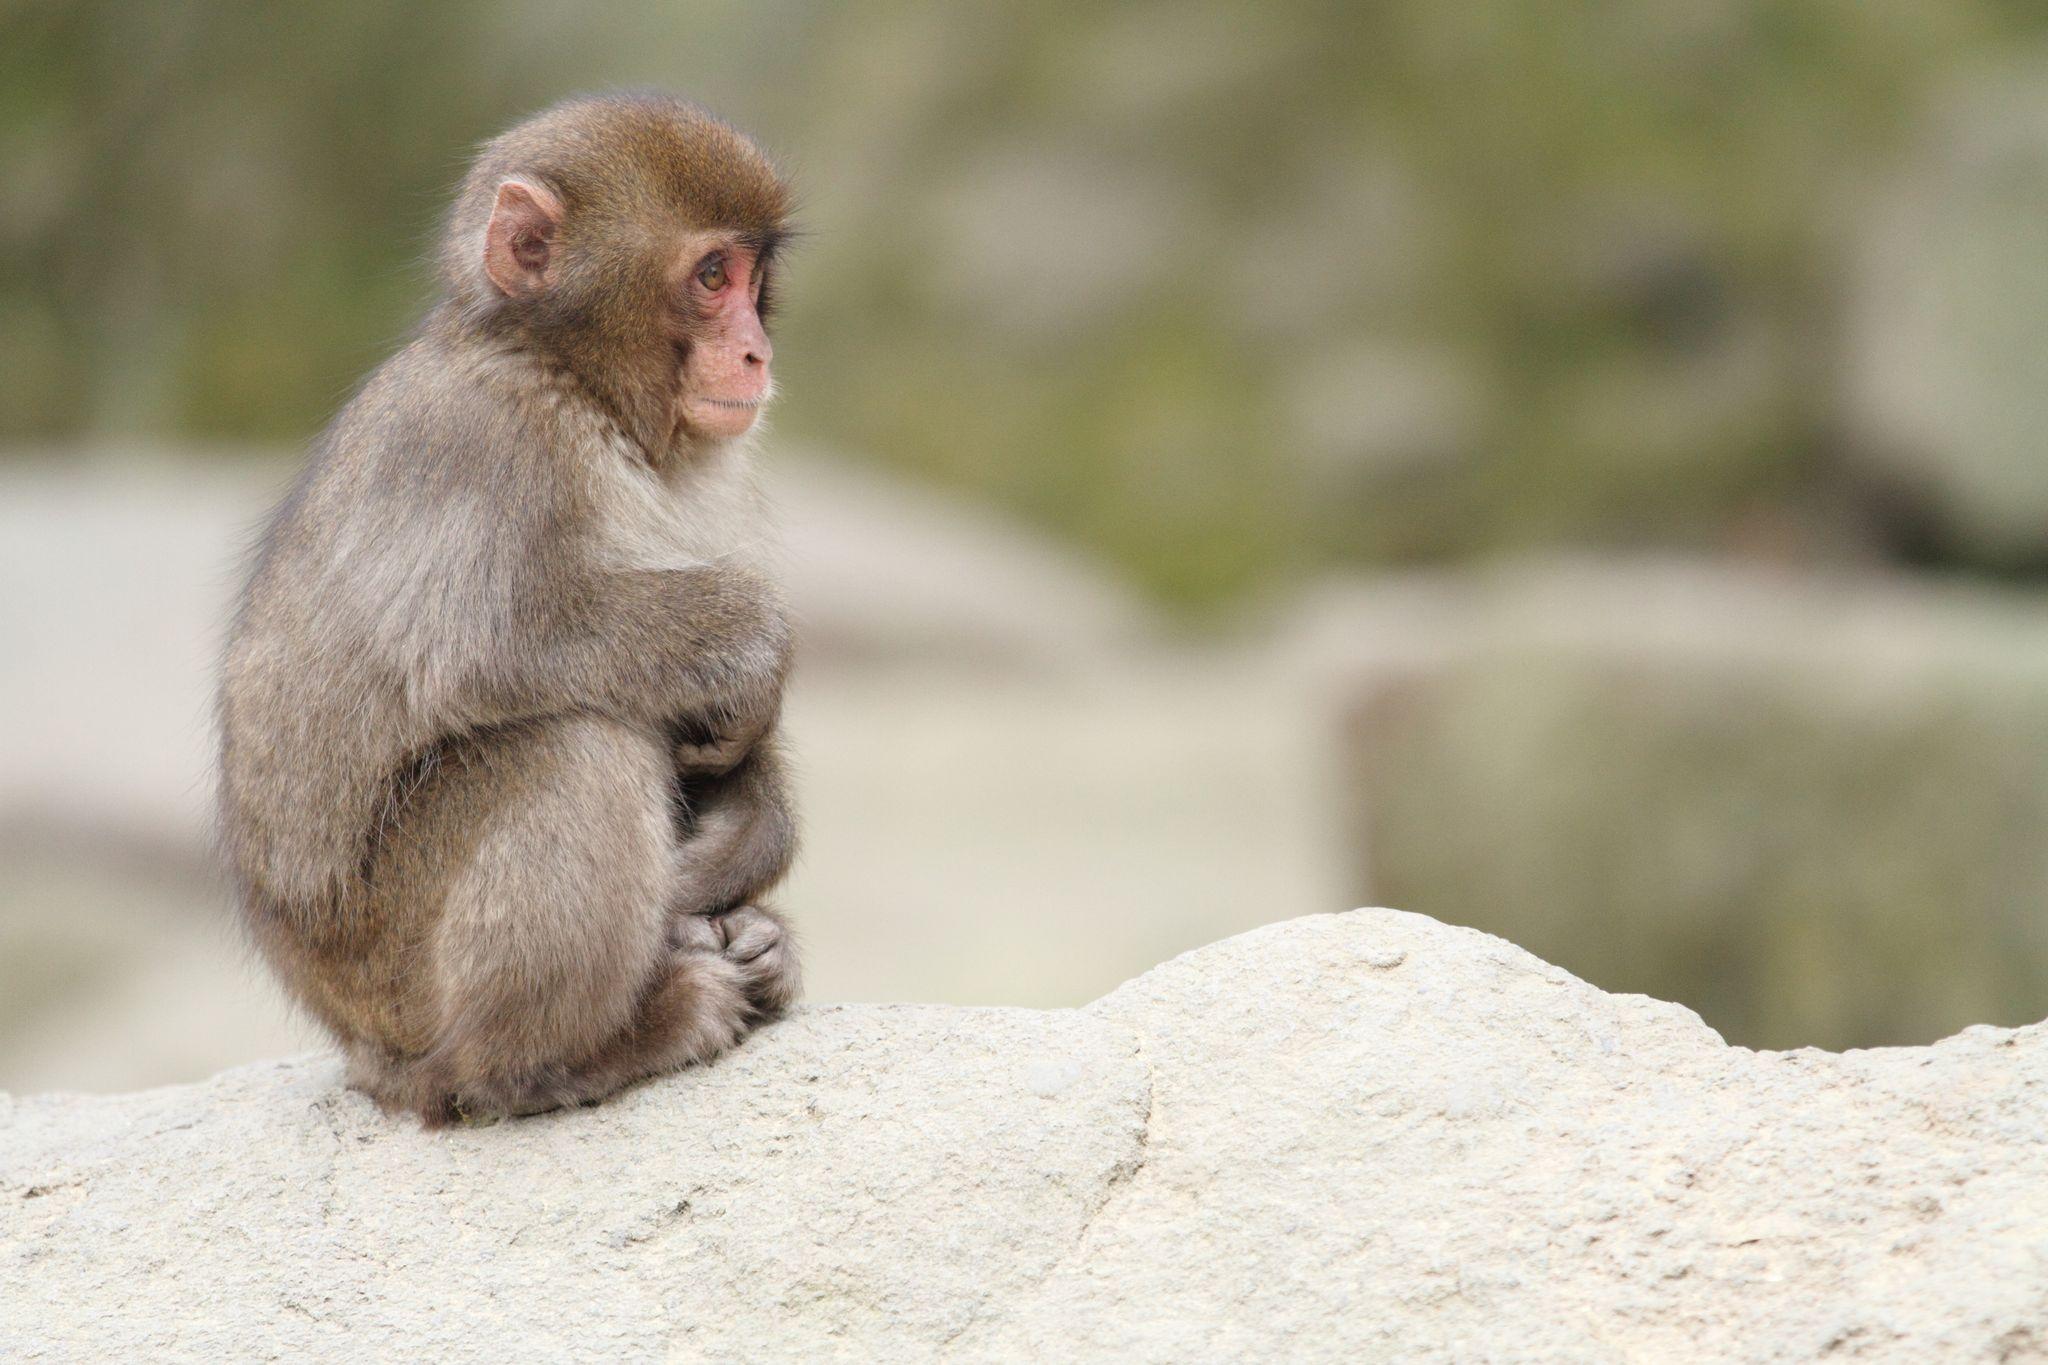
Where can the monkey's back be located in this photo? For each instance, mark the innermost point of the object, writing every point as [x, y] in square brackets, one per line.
[388, 565]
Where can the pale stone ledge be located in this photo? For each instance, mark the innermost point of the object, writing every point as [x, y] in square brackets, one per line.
[1342, 1137]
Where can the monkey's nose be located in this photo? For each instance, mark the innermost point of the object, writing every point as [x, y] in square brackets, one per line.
[752, 341]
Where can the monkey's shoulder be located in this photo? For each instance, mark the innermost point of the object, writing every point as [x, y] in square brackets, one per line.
[432, 439]
[458, 417]
[431, 484]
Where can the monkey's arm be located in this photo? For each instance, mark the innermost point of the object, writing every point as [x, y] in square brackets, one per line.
[742, 835]
[509, 604]
[709, 643]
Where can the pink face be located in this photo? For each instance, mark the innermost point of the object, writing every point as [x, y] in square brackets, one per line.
[724, 350]
[713, 307]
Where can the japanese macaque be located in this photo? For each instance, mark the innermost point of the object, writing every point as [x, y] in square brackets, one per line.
[499, 777]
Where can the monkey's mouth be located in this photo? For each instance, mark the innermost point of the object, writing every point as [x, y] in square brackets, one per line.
[713, 416]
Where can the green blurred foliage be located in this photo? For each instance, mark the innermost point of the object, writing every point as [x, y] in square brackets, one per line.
[1220, 291]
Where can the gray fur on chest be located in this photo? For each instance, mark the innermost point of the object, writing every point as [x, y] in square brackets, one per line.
[703, 509]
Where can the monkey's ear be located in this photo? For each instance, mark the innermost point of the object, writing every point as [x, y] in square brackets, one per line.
[519, 241]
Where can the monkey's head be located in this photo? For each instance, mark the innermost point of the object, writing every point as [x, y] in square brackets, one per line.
[631, 240]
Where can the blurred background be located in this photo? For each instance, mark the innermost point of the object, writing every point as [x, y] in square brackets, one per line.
[1569, 469]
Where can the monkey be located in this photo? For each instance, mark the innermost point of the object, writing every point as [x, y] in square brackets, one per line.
[501, 787]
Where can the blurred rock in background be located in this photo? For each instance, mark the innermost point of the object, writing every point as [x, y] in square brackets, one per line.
[1812, 809]
[1947, 356]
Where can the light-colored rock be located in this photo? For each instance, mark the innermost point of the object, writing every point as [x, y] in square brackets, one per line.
[1359, 1136]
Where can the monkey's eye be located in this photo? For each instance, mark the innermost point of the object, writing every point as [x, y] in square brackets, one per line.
[711, 274]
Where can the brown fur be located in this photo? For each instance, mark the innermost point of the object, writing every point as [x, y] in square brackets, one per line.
[498, 776]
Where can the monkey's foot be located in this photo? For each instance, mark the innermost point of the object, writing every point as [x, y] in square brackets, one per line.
[756, 941]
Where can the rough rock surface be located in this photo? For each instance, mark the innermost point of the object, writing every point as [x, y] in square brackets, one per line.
[1342, 1137]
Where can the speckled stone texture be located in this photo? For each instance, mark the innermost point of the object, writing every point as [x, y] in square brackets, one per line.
[1349, 1136]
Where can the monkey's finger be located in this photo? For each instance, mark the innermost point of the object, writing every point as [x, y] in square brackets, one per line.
[713, 759]
[695, 934]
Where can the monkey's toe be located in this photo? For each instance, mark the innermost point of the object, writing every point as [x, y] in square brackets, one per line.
[749, 933]
[758, 942]
[755, 942]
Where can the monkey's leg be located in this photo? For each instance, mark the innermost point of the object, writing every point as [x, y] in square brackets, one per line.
[738, 838]
[737, 830]
[552, 850]
[672, 1027]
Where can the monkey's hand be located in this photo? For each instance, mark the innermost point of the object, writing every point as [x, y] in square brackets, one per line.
[746, 700]
[714, 758]
[712, 748]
